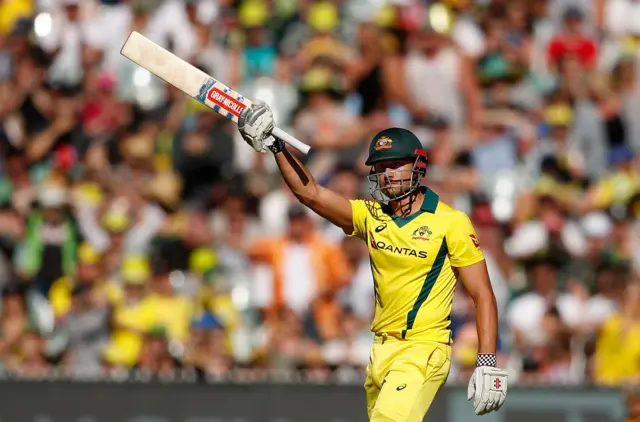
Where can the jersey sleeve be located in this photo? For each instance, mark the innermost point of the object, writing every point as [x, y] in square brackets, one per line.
[462, 241]
[359, 214]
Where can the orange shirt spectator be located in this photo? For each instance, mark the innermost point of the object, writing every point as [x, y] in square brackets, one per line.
[304, 265]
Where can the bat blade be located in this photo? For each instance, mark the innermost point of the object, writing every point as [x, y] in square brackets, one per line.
[184, 76]
[193, 82]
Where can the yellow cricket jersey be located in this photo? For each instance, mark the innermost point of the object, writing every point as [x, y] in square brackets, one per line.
[60, 295]
[132, 321]
[412, 261]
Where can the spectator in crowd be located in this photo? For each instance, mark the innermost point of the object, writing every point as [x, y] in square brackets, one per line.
[171, 311]
[86, 327]
[15, 321]
[131, 318]
[49, 248]
[616, 357]
[89, 273]
[573, 41]
[208, 350]
[633, 404]
[155, 358]
[28, 359]
[305, 266]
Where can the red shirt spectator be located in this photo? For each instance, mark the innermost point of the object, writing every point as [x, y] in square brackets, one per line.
[573, 41]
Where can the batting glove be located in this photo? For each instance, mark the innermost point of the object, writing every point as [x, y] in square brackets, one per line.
[488, 385]
[255, 125]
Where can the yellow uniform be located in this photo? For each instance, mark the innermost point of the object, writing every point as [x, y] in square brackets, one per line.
[132, 322]
[617, 357]
[412, 261]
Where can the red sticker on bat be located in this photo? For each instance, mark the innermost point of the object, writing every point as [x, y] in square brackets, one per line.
[220, 98]
[474, 239]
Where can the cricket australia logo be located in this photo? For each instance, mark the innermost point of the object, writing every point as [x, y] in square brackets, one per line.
[422, 233]
[383, 143]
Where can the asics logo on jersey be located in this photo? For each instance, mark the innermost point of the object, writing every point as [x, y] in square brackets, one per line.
[380, 228]
[401, 387]
[379, 244]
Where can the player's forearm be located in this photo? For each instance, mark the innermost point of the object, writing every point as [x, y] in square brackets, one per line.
[487, 323]
[297, 177]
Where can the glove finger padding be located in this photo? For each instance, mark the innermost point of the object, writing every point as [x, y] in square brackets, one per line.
[255, 124]
[501, 398]
[471, 388]
[480, 389]
[491, 403]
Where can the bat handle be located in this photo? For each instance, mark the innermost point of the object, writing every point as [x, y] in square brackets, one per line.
[297, 144]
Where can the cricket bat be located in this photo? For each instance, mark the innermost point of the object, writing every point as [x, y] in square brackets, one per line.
[194, 82]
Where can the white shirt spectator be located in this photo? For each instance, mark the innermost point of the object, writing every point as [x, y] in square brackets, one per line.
[167, 21]
[69, 37]
[499, 283]
[621, 17]
[533, 237]
[273, 211]
[526, 312]
[360, 294]
[466, 34]
[436, 83]
[137, 238]
[355, 352]
[594, 310]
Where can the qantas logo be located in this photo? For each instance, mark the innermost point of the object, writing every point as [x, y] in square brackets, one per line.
[378, 244]
[475, 241]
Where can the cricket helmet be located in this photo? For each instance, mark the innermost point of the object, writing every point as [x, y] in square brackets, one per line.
[396, 144]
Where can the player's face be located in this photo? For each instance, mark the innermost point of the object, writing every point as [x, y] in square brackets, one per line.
[394, 177]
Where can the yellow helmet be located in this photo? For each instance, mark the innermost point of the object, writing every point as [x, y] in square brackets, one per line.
[135, 270]
[87, 254]
[202, 260]
[115, 221]
[559, 115]
[253, 13]
[323, 16]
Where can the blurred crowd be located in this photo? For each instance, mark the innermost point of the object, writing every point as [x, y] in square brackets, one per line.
[137, 231]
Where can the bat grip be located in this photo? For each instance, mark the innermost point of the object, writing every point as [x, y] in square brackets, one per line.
[297, 144]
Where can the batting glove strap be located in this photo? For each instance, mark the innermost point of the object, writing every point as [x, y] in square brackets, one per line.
[486, 359]
[277, 146]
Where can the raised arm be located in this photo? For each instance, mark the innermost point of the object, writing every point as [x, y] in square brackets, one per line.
[255, 126]
[323, 201]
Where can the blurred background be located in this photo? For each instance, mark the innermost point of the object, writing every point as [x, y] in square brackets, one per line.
[139, 233]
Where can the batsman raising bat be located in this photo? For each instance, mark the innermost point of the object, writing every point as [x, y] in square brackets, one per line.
[418, 247]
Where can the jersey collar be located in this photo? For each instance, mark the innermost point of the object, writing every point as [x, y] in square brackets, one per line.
[430, 201]
[429, 204]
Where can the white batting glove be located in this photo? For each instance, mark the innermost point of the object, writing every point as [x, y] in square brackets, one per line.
[487, 387]
[255, 125]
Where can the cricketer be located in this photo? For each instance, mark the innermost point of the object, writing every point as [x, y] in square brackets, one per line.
[419, 247]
